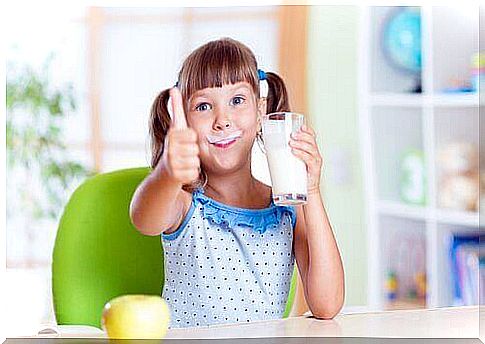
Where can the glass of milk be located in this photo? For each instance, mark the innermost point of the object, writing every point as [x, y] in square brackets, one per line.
[288, 173]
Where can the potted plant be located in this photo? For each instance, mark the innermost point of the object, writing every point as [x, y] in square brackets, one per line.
[40, 173]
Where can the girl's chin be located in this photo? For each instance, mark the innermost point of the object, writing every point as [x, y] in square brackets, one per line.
[226, 159]
[224, 165]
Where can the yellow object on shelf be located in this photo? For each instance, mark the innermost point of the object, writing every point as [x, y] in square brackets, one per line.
[391, 285]
[478, 60]
[420, 280]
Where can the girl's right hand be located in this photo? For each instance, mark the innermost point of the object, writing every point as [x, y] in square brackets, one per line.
[181, 154]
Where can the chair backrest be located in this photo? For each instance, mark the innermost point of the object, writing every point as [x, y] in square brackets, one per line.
[98, 254]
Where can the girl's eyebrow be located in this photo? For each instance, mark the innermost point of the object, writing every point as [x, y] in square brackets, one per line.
[241, 88]
[203, 94]
[195, 97]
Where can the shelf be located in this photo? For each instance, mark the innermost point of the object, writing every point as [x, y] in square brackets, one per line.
[388, 124]
[418, 100]
[408, 238]
[445, 216]
[397, 99]
[457, 217]
[401, 210]
[456, 100]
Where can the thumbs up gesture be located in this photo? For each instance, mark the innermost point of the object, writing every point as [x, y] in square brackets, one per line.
[181, 154]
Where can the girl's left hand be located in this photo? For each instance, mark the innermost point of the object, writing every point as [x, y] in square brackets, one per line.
[304, 146]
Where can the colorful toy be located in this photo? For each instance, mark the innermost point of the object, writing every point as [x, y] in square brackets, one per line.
[459, 182]
[482, 193]
[470, 83]
[391, 285]
[478, 70]
[420, 281]
[413, 183]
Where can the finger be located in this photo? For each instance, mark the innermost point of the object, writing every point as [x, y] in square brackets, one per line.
[304, 136]
[190, 174]
[178, 120]
[303, 145]
[188, 150]
[187, 163]
[182, 151]
[310, 159]
[306, 129]
[185, 136]
[306, 157]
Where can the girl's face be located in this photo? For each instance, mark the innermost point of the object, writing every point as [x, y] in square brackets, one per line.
[226, 120]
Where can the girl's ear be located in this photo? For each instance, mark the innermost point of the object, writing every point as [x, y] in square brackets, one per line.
[262, 104]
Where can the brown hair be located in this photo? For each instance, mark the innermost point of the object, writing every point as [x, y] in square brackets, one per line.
[216, 63]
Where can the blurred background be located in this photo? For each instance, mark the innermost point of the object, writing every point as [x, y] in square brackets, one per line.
[392, 93]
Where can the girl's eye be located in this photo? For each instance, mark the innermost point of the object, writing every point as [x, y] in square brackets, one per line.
[202, 107]
[237, 100]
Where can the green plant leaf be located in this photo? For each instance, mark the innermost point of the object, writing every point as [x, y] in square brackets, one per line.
[35, 111]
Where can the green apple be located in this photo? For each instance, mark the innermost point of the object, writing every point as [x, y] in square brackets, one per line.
[136, 317]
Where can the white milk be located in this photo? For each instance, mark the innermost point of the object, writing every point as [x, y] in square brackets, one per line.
[288, 173]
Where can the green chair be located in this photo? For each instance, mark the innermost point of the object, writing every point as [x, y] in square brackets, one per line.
[98, 253]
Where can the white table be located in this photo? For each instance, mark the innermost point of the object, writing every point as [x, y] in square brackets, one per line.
[453, 322]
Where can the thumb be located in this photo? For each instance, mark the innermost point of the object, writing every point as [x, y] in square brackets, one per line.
[178, 115]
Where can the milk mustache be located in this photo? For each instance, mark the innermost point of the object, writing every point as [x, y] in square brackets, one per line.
[288, 172]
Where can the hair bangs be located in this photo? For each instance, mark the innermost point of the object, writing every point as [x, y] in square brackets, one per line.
[218, 63]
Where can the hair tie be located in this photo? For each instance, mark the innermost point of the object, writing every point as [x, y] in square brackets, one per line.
[263, 84]
[261, 74]
[176, 84]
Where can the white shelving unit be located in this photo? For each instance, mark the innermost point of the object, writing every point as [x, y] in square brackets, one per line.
[392, 121]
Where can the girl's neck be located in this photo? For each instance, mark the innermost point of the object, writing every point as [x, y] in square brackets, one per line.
[239, 189]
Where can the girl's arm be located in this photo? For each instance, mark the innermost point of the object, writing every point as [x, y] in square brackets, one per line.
[159, 203]
[318, 259]
[316, 250]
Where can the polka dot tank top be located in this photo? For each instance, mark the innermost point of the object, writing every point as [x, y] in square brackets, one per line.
[226, 264]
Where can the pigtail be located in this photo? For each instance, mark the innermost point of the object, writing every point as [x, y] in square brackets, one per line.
[277, 100]
[159, 123]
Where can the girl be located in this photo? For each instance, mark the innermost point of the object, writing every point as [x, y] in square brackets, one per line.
[228, 250]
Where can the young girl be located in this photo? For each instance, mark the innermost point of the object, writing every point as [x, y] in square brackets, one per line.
[228, 249]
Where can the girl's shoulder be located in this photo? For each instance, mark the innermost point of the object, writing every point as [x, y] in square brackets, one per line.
[259, 219]
[214, 213]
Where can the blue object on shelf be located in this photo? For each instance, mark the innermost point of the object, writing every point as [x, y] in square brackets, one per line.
[463, 89]
[465, 281]
[475, 81]
[401, 41]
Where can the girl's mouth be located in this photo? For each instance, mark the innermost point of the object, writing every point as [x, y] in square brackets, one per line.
[225, 143]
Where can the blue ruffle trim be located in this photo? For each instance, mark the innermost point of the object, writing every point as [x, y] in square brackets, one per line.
[258, 219]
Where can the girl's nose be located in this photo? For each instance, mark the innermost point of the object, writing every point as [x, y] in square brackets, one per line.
[221, 126]
[222, 123]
